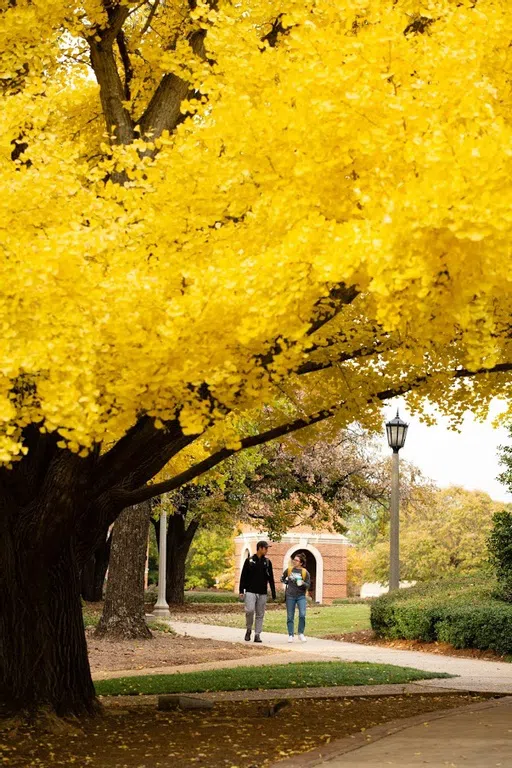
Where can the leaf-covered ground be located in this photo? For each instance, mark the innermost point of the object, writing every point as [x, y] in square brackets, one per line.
[232, 734]
[368, 637]
[164, 649]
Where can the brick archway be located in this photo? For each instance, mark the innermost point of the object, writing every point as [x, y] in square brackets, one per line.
[246, 552]
[319, 586]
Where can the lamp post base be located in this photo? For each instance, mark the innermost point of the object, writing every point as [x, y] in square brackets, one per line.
[161, 611]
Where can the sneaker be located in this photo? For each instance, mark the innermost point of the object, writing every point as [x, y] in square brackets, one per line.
[248, 635]
[290, 638]
[303, 639]
[257, 639]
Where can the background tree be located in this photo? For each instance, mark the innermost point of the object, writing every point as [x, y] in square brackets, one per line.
[210, 557]
[443, 532]
[166, 264]
[123, 615]
[505, 460]
[277, 487]
[95, 569]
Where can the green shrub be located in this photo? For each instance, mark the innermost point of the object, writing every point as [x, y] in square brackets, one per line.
[462, 612]
[485, 627]
[500, 553]
[90, 619]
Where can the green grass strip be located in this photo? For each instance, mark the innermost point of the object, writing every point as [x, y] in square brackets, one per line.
[304, 675]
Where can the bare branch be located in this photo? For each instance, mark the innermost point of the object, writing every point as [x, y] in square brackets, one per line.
[151, 15]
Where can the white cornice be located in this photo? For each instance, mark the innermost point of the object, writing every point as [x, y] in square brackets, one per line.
[301, 538]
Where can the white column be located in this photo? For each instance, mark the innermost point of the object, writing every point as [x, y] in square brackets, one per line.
[161, 609]
[146, 569]
[394, 527]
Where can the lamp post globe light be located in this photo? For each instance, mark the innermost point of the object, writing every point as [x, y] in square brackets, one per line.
[396, 431]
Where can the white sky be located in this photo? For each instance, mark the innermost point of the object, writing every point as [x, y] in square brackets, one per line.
[468, 458]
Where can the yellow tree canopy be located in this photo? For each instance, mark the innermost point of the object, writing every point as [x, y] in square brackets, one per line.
[202, 198]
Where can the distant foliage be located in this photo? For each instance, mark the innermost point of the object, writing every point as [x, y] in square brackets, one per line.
[209, 557]
[500, 552]
[442, 533]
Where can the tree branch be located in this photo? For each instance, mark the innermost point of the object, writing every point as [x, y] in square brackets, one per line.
[116, 18]
[326, 308]
[151, 15]
[127, 64]
[112, 92]
[463, 373]
[312, 367]
[147, 492]
[127, 498]
[139, 455]
[164, 110]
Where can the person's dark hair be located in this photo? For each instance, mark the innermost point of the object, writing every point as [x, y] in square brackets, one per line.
[302, 558]
[262, 545]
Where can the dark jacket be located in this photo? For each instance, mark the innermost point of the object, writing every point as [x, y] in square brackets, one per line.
[257, 575]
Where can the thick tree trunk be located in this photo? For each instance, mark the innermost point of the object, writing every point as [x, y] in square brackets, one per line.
[95, 570]
[43, 653]
[179, 540]
[123, 613]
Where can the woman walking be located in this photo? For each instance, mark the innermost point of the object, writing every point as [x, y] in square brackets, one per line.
[297, 581]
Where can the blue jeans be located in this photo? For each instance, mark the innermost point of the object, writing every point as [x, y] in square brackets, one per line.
[291, 602]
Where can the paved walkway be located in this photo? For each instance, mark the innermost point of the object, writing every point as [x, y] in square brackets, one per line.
[473, 674]
[476, 736]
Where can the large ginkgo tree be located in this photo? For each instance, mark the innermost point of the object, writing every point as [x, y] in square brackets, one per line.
[207, 203]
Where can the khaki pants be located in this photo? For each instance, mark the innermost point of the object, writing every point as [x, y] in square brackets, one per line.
[255, 604]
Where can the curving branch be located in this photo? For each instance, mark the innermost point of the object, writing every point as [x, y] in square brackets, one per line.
[127, 498]
[164, 110]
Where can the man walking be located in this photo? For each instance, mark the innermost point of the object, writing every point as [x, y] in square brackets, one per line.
[257, 575]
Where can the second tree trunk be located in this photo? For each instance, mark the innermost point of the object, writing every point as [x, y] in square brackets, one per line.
[123, 613]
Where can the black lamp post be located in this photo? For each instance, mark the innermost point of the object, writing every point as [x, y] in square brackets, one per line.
[396, 431]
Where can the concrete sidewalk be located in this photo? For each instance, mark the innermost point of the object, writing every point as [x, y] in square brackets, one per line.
[476, 736]
[473, 674]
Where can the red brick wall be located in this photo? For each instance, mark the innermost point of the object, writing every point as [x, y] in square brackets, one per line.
[334, 554]
[335, 570]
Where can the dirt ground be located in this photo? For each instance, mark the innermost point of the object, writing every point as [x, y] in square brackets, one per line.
[368, 637]
[238, 735]
[164, 649]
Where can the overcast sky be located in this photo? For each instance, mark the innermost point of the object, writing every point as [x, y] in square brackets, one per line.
[468, 458]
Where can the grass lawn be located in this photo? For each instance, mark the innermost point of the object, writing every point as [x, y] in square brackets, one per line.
[320, 620]
[210, 597]
[304, 675]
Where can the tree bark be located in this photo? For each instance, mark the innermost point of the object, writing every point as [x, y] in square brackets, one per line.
[179, 540]
[95, 570]
[43, 653]
[123, 613]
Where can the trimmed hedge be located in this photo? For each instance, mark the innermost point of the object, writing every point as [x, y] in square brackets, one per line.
[462, 612]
